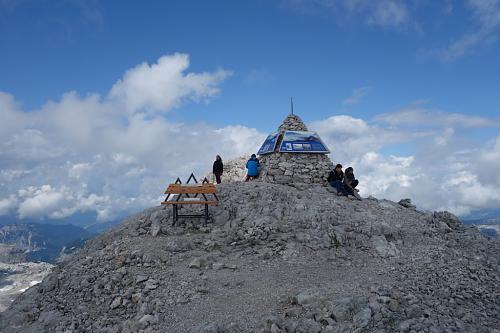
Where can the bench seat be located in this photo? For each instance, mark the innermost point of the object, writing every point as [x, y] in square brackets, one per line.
[210, 202]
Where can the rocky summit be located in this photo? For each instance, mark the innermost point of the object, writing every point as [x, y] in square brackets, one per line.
[274, 259]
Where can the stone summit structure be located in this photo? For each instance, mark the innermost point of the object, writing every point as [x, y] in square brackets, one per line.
[294, 168]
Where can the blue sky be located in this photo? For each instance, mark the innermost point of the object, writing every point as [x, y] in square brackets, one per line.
[276, 49]
[417, 79]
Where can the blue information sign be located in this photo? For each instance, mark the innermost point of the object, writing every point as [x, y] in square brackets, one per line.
[302, 142]
[268, 145]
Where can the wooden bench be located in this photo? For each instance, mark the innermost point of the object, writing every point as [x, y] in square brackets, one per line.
[196, 189]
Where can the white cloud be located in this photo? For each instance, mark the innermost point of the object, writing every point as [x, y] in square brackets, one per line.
[91, 154]
[41, 202]
[162, 86]
[9, 113]
[487, 167]
[7, 204]
[241, 139]
[56, 203]
[347, 136]
[356, 96]
[445, 171]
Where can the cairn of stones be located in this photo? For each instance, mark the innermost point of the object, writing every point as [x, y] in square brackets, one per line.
[294, 169]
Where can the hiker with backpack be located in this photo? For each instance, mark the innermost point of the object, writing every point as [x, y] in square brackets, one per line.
[253, 168]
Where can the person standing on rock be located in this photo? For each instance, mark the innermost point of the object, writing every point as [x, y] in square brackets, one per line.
[218, 168]
[253, 167]
[350, 183]
[336, 177]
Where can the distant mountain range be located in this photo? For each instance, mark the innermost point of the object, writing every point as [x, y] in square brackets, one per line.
[87, 221]
[489, 227]
[487, 220]
[43, 242]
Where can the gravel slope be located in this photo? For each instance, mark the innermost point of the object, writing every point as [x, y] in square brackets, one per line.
[275, 259]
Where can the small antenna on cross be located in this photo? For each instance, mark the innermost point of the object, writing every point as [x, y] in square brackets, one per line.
[291, 103]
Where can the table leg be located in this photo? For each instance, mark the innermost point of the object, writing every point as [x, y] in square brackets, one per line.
[206, 215]
[174, 214]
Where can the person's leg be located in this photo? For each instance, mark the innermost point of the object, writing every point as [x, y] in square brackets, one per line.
[248, 178]
[337, 184]
[347, 190]
[354, 183]
[217, 178]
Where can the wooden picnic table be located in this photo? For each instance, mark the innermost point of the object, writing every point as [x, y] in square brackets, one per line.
[191, 194]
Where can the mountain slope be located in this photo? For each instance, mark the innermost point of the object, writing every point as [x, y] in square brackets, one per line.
[276, 259]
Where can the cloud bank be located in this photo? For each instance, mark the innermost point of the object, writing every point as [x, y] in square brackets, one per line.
[446, 171]
[111, 154]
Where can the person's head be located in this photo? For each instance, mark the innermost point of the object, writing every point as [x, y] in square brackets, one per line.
[338, 168]
[254, 156]
[349, 170]
[217, 158]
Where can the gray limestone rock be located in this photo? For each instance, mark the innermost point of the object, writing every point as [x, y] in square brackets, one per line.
[353, 266]
[362, 318]
[116, 303]
[383, 247]
[308, 326]
[155, 228]
[197, 263]
[306, 297]
[407, 203]
[141, 278]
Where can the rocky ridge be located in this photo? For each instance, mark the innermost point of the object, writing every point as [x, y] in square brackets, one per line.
[275, 259]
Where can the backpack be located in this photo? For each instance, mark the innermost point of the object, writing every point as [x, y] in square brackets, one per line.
[330, 176]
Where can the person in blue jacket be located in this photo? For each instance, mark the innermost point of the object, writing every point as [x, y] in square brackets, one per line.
[253, 167]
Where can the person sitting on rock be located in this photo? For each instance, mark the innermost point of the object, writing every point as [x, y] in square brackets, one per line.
[336, 177]
[253, 167]
[218, 168]
[350, 183]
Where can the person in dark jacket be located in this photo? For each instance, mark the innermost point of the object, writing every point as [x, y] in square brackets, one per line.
[336, 177]
[350, 183]
[253, 167]
[218, 168]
